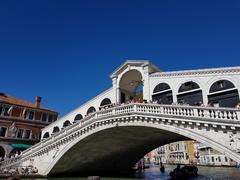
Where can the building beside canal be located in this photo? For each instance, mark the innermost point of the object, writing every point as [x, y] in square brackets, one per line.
[210, 157]
[21, 123]
[188, 152]
[181, 152]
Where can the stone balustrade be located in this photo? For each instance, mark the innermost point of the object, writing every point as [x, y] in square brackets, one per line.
[195, 112]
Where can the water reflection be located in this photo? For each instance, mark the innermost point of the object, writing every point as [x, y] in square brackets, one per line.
[153, 173]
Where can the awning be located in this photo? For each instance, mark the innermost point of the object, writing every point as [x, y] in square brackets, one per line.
[21, 146]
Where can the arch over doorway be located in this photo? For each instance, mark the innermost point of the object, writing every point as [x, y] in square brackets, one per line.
[131, 86]
[223, 93]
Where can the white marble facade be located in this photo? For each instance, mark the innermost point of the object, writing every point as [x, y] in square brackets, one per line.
[131, 73]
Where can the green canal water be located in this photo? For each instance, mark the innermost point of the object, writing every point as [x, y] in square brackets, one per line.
[153, 173]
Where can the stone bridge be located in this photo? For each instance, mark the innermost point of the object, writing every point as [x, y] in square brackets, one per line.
[114, 139]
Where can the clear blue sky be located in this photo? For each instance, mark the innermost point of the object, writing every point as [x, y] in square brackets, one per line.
[65, 51]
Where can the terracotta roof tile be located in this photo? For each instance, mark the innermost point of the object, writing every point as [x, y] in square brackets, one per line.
[16, 101]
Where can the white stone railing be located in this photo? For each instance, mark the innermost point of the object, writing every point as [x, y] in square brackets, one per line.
[205, 113]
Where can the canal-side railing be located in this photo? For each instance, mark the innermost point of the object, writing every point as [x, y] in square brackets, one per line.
[197, 113]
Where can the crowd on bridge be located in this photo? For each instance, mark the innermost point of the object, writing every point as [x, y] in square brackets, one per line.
[181, 103]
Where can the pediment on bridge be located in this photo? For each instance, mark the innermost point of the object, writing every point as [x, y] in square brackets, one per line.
[138, 63]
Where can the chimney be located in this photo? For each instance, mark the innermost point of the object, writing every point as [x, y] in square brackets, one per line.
[38, 101]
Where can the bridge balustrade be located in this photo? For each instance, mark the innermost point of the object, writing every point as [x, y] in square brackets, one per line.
[154, 109]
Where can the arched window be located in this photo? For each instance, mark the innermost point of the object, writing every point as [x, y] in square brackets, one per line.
[56, 129]
[162, 94]
[66, 123]
[105, 102]
[223, 93]
[46, 135]
[91, 110]
[190, 93]
[2, 153]
[78, 117]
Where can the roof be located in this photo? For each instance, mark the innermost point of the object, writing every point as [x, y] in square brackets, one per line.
[4, 98]
[235, 69]
[134, 62]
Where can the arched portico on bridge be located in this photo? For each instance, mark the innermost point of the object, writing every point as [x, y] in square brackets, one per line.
[162, 93]
[131, 86]
[190, 93]
[223, 93]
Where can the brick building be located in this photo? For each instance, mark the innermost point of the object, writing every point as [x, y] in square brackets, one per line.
[21, 123]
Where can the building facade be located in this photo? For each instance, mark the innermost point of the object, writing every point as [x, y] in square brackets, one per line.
[21, 123]
[209, 156]
[181, 152]
[188, 152]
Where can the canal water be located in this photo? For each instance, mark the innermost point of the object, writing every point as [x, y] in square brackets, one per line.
[153, 173]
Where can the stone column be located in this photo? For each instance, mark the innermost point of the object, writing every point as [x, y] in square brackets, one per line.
[146, 85]
[115, 89]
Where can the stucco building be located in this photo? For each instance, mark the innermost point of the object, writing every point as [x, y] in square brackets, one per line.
[21, 123]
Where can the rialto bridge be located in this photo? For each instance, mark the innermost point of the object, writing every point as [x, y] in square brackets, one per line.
[144, 109]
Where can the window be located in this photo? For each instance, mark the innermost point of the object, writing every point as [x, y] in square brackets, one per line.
[6, 111]
[212, 159]
[226, 159]
[50, 118]
[3, 131]
[31, 115]
[26, 134]
[20, 133]
[1, 110]
[219, 158]
[44, 117]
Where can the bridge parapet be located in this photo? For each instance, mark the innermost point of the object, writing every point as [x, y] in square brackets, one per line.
[193, 114]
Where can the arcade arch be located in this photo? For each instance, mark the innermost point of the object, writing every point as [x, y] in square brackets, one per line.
[91, 110]
[162, 93]
[78, 117]
[131, 86]
[223, 93]
[190, 93]
[55, 129]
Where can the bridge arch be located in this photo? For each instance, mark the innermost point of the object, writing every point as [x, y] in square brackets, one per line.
[162, 93]
[131, 86]
[155, 135]
[190, 93]
[91, 110]
[223, 93]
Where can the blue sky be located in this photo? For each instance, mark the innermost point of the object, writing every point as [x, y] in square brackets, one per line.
[65, 51]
